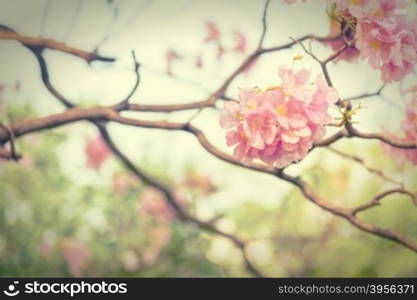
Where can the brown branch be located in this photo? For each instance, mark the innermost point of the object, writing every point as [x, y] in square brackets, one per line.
[43, 43]
[366, 95]
[264, 25]
[353, 132]
[362, 162]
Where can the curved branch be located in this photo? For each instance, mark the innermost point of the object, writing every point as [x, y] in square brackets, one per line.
[377, 199]
[7, 33]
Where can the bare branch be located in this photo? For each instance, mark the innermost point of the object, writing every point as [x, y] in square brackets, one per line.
[366, 95]
[136, 64]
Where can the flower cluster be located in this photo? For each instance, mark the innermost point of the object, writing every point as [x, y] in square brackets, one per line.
[383, 33]
[409, 127]
[280, 124]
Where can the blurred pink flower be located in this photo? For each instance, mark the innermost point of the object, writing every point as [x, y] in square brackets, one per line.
[349, 55]
[290, 1]
[76, 254]
[152, 203]
[96, 151]
[199, 61]
[122, 182]
[213, 34]
[130, 261]
[392, 49]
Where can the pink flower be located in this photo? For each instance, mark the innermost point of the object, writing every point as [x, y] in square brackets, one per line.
[96, 151]
[241, 42]
[261, 126]
[76, 254]
[278, 125]
[384, 36]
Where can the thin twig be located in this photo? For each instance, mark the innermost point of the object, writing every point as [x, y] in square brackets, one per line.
[264, 25]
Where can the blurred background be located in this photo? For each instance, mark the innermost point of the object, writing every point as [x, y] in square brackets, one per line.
[68, 208]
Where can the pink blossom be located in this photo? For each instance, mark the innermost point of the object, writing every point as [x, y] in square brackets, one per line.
[199, 62]
[349, 55]
[392, 49]
[76, 254]
[200, 182]
[280, 124]
[241, 42]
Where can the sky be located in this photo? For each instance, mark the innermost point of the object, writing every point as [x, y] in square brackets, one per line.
[150, 28]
